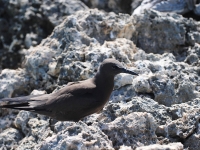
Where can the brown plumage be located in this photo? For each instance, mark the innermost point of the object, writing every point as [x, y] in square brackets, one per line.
[77, 99]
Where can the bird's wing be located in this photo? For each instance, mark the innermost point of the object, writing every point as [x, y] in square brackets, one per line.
[72, 102]
[80, 87]
[73, 105]
[76, 94]
[43, 98]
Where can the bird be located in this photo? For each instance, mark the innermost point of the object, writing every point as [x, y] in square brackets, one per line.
[77, 99]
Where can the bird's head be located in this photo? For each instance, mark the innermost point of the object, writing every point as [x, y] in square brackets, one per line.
[112, 67]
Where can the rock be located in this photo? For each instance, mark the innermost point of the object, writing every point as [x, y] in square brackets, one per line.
[163, 101]
[56, 12]
[39, 129]
[24, 24]
[37, 92]
[149, 25]
[22, 119]
[197, 9]
[27, 143]
[9, 138]
[193, 37]
[116, 109]
[76, 136]
[164, 6]
[175, 6]
[193, 55]
[131, 130]
[192, 142]
[183, 127]
[171, 146]
[86, 47]
[122, 80]
[125, 147]
[186, 118]
[159, 77]
[9, 82]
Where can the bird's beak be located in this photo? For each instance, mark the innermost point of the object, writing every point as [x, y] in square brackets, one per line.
[124, 70]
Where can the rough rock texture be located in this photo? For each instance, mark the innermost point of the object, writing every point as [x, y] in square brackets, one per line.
[9, 138]
[25, 23]
[117, 6]
[160, 106]
[193, 142]
[188, 8]
[174, 32]
[172, 6]
[171, 146]
[133, 130]
[10, 82]
[76, 136]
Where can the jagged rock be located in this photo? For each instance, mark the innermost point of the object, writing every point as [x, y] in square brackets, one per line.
[171, 146]
[162, 48]
[86, 46]
[9, 82]
[192, 142]
[131, 130]
[76, 136]
[22, 119]
[25, 23]
[183, 127]
[115, 109]
[171, 6]
[193, 55]
[9, 138]
[138, 6]
[38, 131]
[172, 34]
[57, 11]
[27, 143]
[159, 77]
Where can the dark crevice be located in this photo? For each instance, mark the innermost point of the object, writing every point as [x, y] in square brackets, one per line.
[123, 6]
[192, 15]
[149, 95]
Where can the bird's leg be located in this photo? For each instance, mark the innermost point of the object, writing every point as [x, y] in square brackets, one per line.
[52, 123]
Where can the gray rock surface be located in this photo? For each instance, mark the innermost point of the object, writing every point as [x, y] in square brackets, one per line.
[160, 106]
[171, 146]
[135, 129]
[76, 136]
[187, 8]
[174, 35]
[193, 142]
[10, 82]
[25, 23]
[9, 138]
[172, 6]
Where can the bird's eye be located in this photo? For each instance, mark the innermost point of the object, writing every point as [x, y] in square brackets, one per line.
[115, 67]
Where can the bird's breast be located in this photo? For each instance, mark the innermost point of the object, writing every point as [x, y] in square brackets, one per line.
[104, 95]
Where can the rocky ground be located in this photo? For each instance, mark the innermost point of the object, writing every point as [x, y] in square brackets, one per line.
[45, 44]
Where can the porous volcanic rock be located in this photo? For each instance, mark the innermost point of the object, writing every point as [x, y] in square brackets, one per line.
[162, 102]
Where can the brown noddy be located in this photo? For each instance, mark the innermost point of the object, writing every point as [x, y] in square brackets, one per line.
[77, 99]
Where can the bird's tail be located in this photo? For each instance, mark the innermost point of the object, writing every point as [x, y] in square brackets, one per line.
[21, 106]
[21, 103]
